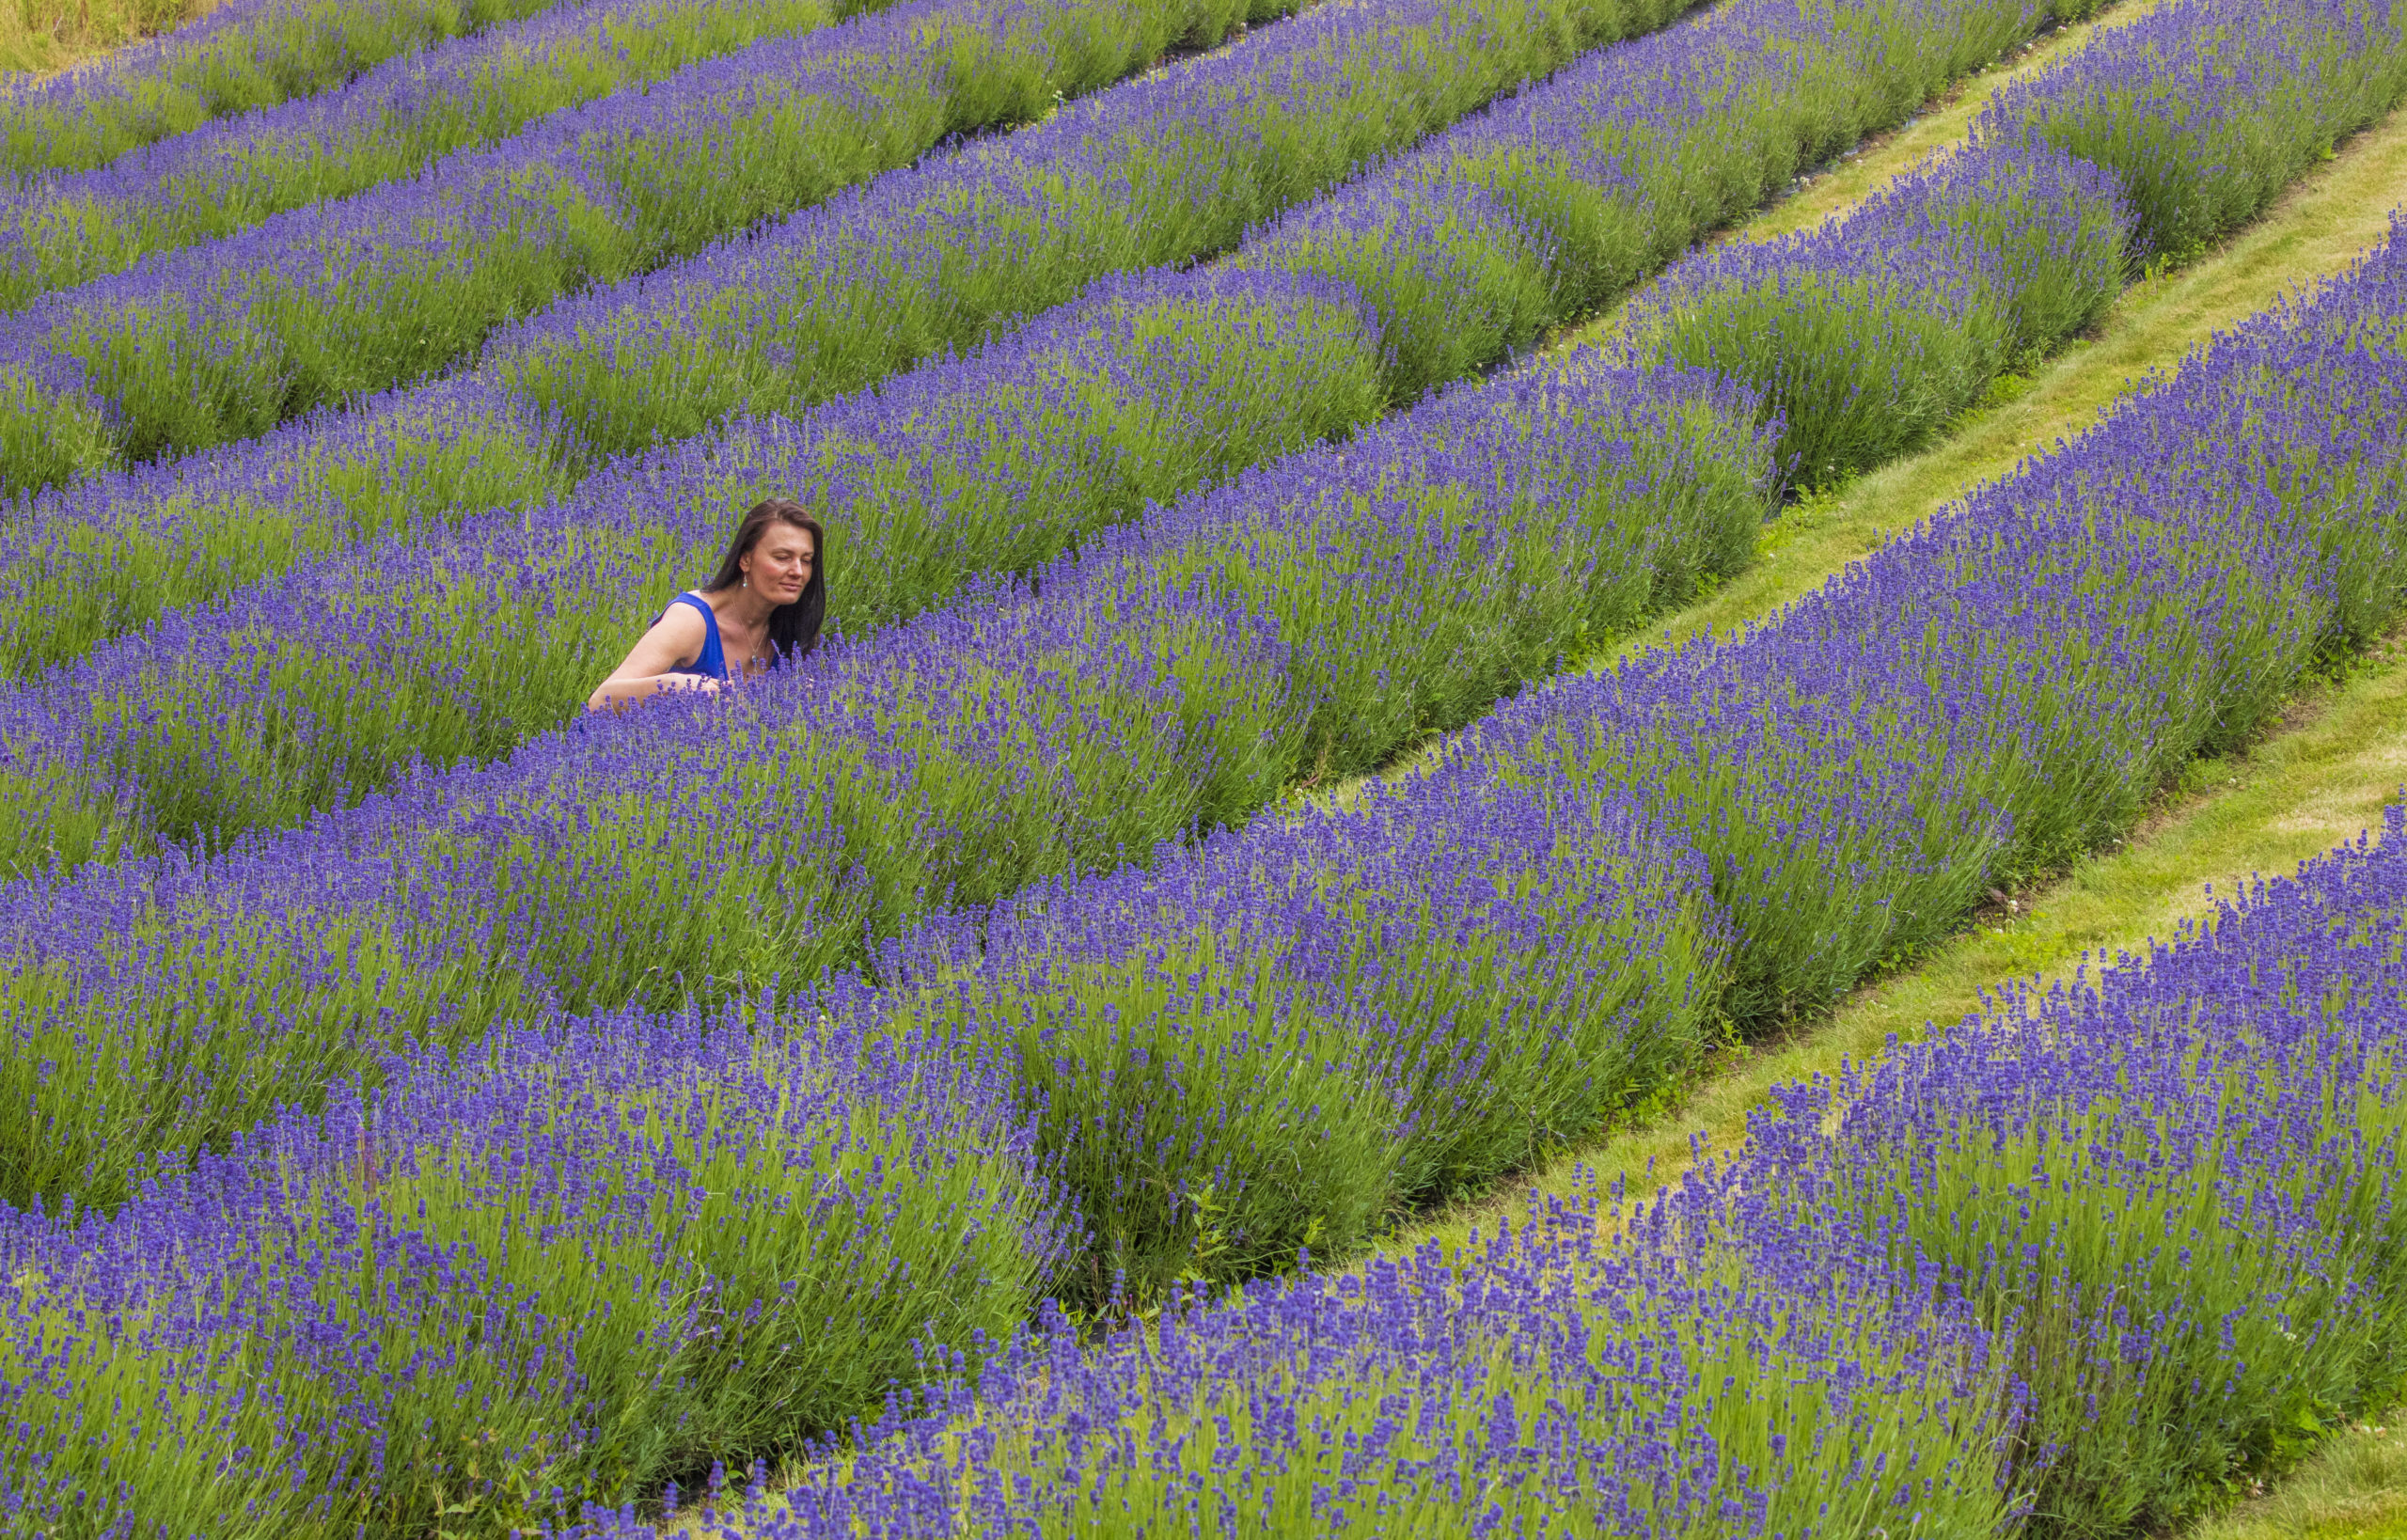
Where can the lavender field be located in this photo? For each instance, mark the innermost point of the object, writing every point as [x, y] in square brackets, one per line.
[983, 1076]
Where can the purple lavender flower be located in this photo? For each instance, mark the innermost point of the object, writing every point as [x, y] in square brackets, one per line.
[221, 340]
[1178, 672]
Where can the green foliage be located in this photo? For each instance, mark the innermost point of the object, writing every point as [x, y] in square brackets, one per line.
[73, 239]
[1208, 1120]
[56, 434]
[85, 1131]
[187, 541]
[801, 338]
[1864, 369]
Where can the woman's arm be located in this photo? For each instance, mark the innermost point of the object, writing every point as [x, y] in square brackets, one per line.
[674, 641]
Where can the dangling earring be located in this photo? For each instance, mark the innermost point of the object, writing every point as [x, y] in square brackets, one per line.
[747, 583]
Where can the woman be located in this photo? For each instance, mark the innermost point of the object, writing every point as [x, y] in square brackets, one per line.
[761, 607]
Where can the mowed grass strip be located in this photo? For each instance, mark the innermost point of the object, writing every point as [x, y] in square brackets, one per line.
[2320, 777]
[2353, 1488]
[43, 36]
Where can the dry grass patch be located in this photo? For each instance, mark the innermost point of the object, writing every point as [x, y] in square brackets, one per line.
[40, 37]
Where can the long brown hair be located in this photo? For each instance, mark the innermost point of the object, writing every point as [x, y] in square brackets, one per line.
[793, 629]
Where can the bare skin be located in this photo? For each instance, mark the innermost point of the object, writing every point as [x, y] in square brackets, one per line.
[775, 570]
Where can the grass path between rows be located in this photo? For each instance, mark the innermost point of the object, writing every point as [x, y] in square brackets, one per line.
[2319, 778]
[2353, 1488]
[43, 37]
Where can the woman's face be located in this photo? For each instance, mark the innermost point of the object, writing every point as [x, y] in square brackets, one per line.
[778, 565]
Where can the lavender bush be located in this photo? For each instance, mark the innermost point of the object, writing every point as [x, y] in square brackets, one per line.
[1180, 672]
[2005, 686]
[1142, 696]
[1431, 255]
[2157, 137]
[2142, 1234]
[590, 1259]
[2066, 1270]
[1545, 1385]
[244, 54]
[1271, 1042]
[1867, 1322]
[2173, 1192]
[2009, 684]
[1143, 395]
[330, 482]
[783, 317]
[1872, 333]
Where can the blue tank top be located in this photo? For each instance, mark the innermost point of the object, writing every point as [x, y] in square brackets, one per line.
[712, 664]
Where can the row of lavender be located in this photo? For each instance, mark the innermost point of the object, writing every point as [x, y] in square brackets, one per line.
[313, 688]
[244, 54]
[316, 305]
[222, 385]
[1204, 1058]
[2076, 1267]
[62, 228]
[2201, 113]
[1597, 192]
[180, 533]
[1311, 618]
